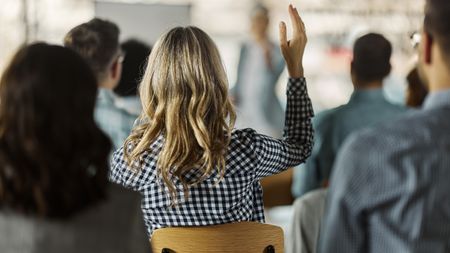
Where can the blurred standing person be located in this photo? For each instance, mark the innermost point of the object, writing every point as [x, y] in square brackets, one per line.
[260, 65]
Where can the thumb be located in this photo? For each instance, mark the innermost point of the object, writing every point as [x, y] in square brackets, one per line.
[282, 34]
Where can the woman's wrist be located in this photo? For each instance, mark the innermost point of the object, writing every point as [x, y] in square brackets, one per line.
[296, 72]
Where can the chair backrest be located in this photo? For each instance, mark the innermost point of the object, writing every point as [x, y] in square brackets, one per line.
[250, 237]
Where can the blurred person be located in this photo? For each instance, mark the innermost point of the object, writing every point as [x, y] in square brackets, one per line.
[133, 66]
[389, 191]
[308, 211]
[124, 104]
[260, 66]
[416, 91]
[54, 190]
[187, 160]
[367, 107]
[97, 41]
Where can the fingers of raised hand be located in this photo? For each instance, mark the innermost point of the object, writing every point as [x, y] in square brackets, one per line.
[293, 15]
[283, 34]
[297, 22]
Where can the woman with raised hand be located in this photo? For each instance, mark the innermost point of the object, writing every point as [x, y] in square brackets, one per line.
[191, 167]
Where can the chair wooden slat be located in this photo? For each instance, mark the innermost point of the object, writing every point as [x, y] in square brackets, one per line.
[249, 237]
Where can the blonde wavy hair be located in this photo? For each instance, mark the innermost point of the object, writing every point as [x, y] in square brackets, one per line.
[184, 94]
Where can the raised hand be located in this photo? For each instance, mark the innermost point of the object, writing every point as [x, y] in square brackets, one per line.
[293, 49]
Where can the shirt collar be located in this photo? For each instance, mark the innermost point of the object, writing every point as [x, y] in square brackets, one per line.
[104, 96]
[437, 99]
[364, 95]
[131, 104]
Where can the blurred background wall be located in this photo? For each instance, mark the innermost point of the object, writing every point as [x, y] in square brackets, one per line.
[332, 26]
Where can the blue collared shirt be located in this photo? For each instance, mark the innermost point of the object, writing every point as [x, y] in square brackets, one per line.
[365, 108]
[390, 189]
[116, 115]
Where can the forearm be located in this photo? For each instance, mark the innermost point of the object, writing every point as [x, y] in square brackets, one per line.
[298, 130]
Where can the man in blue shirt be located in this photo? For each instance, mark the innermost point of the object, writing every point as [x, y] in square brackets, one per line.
[97, 41]
[367, 107]
[390, 189]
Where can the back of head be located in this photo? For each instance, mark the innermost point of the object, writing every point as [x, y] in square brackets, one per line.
[97, 41]
[371, 58]
[52, 154]
[437, 13]
[184, 96]
[133, 66]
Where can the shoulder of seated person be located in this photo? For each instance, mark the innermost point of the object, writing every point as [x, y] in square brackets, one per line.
[386, 136]
[244, 133]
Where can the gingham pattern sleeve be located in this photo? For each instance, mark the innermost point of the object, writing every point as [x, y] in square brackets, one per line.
[121, 173]
[275, 155]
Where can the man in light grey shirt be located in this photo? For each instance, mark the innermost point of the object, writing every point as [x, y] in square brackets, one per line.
[390, 189]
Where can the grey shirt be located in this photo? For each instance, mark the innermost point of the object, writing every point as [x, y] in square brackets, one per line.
[305, 226]
[390, 189]
[113, 226]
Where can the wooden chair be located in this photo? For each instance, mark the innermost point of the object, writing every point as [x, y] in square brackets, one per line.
[249, 237]
[277, 189]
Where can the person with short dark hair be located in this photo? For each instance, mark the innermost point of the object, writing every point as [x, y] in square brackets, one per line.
[367, 107]
[134, 63]
[97, 41]
[54, 190]
[371, 60]
[390, 188]
[124, 104]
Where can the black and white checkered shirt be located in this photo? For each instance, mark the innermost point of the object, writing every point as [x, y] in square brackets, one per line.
[238, 197]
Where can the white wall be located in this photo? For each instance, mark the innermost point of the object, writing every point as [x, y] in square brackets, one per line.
[144, 21]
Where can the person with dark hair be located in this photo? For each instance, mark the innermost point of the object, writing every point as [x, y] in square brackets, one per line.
[371, 60]
[416, 91]
[367, 107]
[389, 191]
[54, 190]
[124, 105]
[97, 41]
[134, 63]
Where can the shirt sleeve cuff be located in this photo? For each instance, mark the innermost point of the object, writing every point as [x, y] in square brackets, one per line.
[296, 86]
